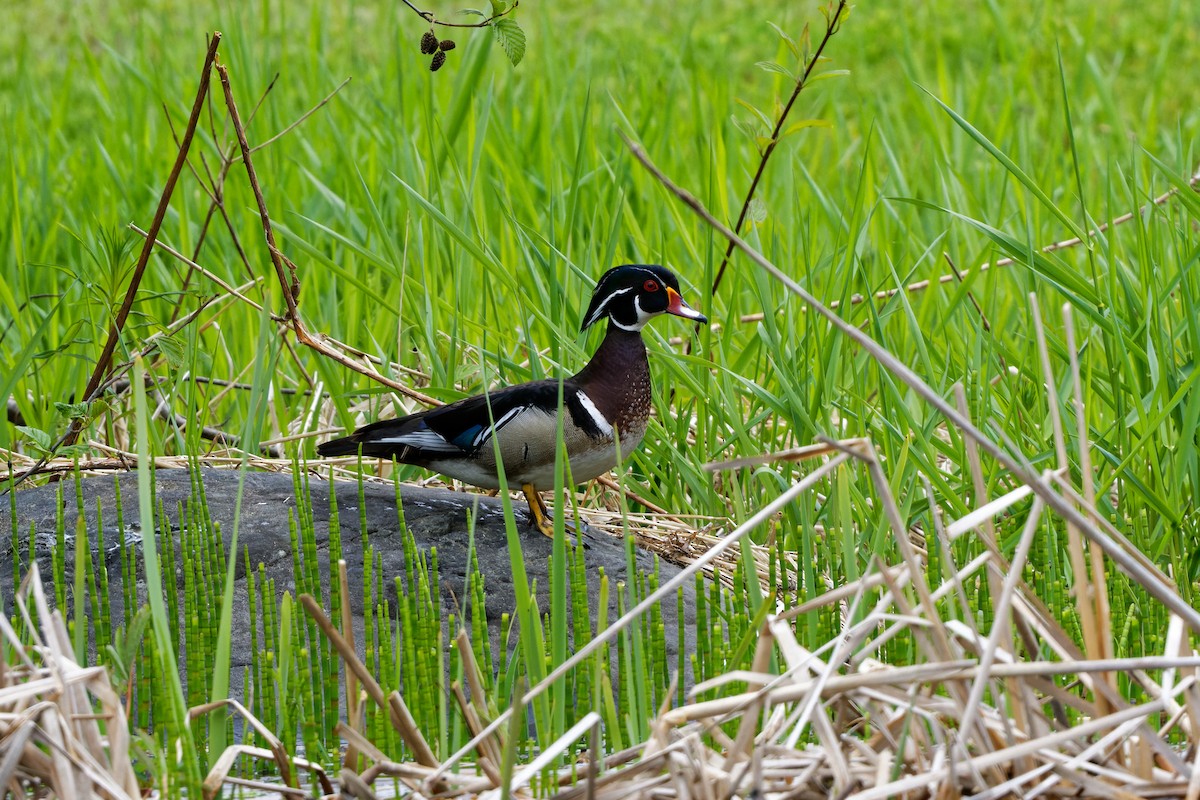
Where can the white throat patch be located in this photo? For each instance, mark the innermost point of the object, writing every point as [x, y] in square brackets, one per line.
[642, 317]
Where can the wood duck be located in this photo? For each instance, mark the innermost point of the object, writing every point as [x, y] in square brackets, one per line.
[607, 403]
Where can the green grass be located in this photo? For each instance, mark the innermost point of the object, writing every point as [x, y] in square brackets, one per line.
[454, 223]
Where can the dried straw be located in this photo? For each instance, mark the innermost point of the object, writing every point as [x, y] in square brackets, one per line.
[63, 730]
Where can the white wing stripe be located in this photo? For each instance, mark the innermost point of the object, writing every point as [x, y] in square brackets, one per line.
[426, 440]
[594, 413]
[486, 433]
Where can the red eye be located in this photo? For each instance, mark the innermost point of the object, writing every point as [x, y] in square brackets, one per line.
[650, 286]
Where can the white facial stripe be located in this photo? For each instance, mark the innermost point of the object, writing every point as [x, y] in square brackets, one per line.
[600, 310]
[595, 414]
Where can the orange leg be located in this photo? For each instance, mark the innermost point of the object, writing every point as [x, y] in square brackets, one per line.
[537, 507]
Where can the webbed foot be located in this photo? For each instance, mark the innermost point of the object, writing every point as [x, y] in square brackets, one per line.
[545, 523]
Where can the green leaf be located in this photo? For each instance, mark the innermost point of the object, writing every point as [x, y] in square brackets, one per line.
[748, 127]
[39, 438]
[761, 116]
[824, 76]
[771, 66]
[498, 7]
[511, 38]
[791, 43]
[796, 127]
[473, 12]
[72, 410]
[75, 450]
[98, 407]
[757, 211]
[173, 350]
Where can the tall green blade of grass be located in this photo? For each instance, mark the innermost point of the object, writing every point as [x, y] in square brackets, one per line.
[469, 83]
[284, 664]
[264, 369]
[12, 374]
[527, 614]
[1011, 166]
[558, 577]
[79, 624]
[175, 713]
[632, 682]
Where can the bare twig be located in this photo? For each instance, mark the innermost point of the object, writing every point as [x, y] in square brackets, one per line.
[429, 17]
[118, 324]
[114, 333]
[300, 120]
[284, 269]
[290, 288]
[833, 23]
[194, 267]
[215, 188]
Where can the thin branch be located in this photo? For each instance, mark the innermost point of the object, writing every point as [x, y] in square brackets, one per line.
[833, 24]
[283, 266]
[216, 199]
[429, 17]
[194, 267]
[262, 99]
[118, 324]
[114, 333]
[289, 288]
[300, 120]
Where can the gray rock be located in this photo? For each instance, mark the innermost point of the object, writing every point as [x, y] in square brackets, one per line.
[434, 517]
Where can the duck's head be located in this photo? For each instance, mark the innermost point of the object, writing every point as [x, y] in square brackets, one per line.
[634, 294]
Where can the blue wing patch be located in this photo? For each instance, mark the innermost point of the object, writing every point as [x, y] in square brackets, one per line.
[466, 439]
